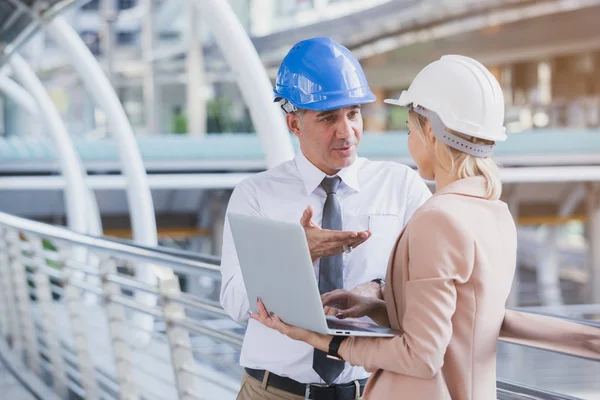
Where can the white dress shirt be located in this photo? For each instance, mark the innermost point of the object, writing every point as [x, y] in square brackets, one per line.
[380, 196]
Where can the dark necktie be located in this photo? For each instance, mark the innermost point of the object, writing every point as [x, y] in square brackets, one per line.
[331, 274]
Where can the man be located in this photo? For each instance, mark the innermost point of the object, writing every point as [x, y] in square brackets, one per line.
[361, 207]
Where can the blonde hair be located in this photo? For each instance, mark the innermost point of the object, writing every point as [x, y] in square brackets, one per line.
[464, 165]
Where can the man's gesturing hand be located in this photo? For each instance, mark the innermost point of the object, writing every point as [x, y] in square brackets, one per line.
[325, 242]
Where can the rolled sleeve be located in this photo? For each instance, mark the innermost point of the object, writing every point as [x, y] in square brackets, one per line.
[441, 255]
[233, 296]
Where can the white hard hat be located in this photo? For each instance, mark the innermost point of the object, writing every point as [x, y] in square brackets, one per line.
[465, 96]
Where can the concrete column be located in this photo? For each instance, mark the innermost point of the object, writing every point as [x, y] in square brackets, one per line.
[261, 17]
[524, 81]
[107, 39]
[374, 114]
[150, 87]
[548, 279]
[593, 221]
[218, 206]
[513, 205]
[196, 85]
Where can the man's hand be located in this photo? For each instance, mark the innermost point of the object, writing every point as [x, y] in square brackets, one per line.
[325, 242]
[368, 289]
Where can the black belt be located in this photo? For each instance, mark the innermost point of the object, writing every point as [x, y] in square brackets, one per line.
[346, 391]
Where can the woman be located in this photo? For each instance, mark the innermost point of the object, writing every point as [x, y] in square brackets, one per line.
[452, 267]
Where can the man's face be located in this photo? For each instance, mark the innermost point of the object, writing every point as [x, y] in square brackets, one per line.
[328, 139]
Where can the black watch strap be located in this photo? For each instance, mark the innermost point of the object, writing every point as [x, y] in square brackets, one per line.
[334, 347]
[381, 283]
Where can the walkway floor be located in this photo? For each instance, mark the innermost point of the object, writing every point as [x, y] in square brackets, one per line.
[10, 388]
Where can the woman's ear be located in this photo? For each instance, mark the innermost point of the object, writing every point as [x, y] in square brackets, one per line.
[428, 133]
[293, 123]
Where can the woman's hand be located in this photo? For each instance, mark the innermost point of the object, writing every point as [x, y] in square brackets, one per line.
[270, 320]
[344, 304]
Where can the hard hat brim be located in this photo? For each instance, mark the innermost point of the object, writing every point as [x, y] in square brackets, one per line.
[404, 101]
[334, 103]
[396, 102]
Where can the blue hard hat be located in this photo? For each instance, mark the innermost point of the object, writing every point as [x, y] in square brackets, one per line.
[321, 74]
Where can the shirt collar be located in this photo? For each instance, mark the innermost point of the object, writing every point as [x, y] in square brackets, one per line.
[474, 186]
[313, 176]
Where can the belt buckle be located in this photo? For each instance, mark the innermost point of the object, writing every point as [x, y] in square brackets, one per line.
[307, 391]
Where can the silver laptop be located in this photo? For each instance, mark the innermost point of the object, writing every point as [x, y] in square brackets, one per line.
[277, 267]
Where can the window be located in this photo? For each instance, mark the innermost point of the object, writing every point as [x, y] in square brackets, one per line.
[126, 4]
[91, 40]
[92, 5]
[127, 38]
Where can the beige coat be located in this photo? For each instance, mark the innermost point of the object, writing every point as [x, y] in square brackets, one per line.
[447, 283]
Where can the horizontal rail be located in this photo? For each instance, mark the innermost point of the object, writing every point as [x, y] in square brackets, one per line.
[108, 247]
[131, 283]
[190, 301]
[507, 390]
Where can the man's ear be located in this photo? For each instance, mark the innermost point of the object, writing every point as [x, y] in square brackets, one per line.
[293, 123]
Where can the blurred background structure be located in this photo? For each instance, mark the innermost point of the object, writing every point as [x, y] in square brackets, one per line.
[131, 121]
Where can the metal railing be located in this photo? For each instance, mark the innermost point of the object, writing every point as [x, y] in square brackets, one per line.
[68, 307]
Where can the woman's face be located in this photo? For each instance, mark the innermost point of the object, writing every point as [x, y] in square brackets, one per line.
[421, 149]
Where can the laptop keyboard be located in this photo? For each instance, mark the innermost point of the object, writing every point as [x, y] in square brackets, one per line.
[349, 326]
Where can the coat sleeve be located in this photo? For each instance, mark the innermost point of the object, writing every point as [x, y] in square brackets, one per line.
[441, 255]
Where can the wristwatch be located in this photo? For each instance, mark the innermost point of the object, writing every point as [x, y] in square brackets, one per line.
[381, 283]
[334, 347]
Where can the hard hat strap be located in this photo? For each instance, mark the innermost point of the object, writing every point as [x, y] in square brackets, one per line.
[442, 134]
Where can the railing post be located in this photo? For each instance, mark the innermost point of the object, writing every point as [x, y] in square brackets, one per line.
[115, 314]
[73, 300]
[9, 327]
[48, 318]
[21, 291]
[178, 337]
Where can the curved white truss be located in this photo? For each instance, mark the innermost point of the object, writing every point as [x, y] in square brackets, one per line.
[252, 79]
[19, 95]
[70, 163]
[23, 99]
[80, 202]
[139, 198]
